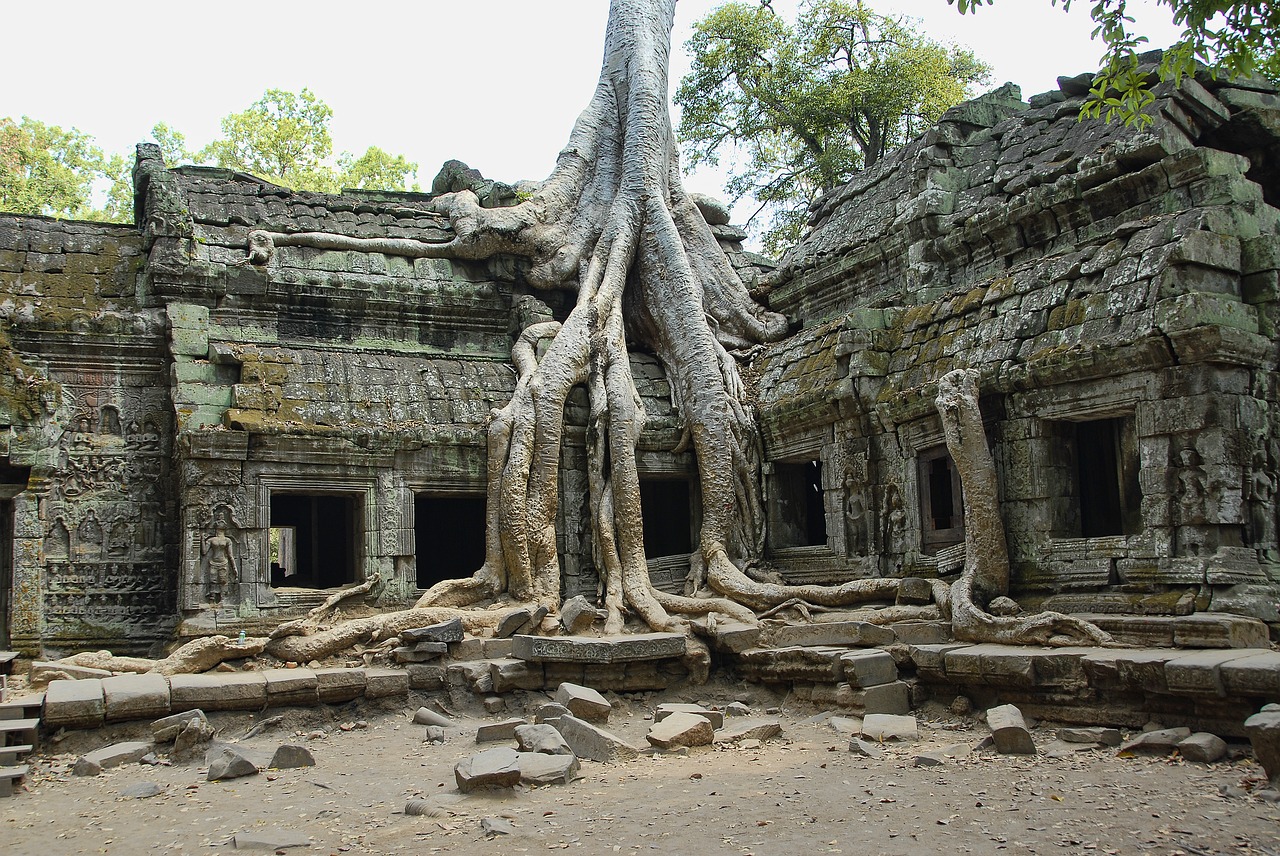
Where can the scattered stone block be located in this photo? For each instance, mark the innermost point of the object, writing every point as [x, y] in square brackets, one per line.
[1009, 732]
[869, 668]
[433, 734]
[862, 748]
[510, 674]
[74, 704]
[93, 763]
[934, 758]
[505, 730]
[541, 738]
[191, 740]
[495, 704]
[386, 683]
[681, 729]
[492, 768]
[289, 687]
[882, 727]
[577, 615]
[549, 713]
[219, 691]
[166, 729]
[592, 743]
[583, 702]
[228, 762]
[135, 697]
[715, 717]
[883, 698]
[421, 652]
[849, 633]
[1263, 729]
[749, 729]
[445, 631]
[142, 791]
[427, 716]
[1160, 742]
[335, 686]
[1102, 736]
[289, 757]
[914, 591]
[846, 726]
[734, 638]
[1203, 747]
[539, 768]
[737, 708]
[512, 622]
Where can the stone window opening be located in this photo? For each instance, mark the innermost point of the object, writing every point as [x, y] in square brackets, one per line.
[314, 540]
[1097, 461]
[667, 511]
[797, 513]
[449, 536]
[941, 500]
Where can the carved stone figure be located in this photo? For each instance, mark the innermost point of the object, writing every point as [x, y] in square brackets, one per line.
[221, 573]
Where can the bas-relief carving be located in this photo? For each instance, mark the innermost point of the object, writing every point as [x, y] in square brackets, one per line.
[1261, 491]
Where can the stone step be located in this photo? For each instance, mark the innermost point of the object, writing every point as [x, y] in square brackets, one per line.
[9, 754]
[1201, 630]
[10, 777]
[18, 726]
[27, 707]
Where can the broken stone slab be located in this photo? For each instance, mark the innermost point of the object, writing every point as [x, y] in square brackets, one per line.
[577, 615]
[289, 757]
[165, 729]
[715, 717]
[129, 752]
[893, 698]
[142, 791]
[219, 691]
[933, 758]
[426, 677]
[135, 697]
[228, 762]
[914, 591]
[1096, 734]
[593, 743]
[492, 768]
[549, 713]
[1263, 729]
[427, 716]
[1009, 732]
[1203, 747]
[510, 674]
[386, 683]
[445, 631]
[505, 730]
[863, 749]
[512, 622]
[541, 738]
[1199, 673]
[847, 633]
[541, 768]
[422, 652]
[846, 726]
[43, 672]
[1161, 742]
[492, 826]
[737, 708]
[730, 637]
[190, 741]
[869, 668]
[291, 687]
[336, 685]
[269, 839]
[681, 729]
[759, 729]
[583, 702]
[74, 704]
[607, 649]
[882, 727]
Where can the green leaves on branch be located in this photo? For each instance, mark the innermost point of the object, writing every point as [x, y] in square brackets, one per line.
[47, 170]
[798, 109]
[1230, 38]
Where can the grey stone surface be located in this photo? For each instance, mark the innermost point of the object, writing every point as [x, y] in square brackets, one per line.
[681, 729]
[550, 712]
[869, 668]
[74, 704]
[427, 716]
[715, 717]
[288, 757]
[1009, 731]
[191, 739]
[1263, 729]
[1160, 742]
[165, 729]
[583, 702]
[854, 633]
[577, 615]
[1203, 747]
[513, 621]
[386, 683]
[334, 686]
[492, 768]
[291, 687]
[445, 631]
[129, 752]
[593, 743]
[882, 727]
[610, 649]
[539, 768]
[504, 730]
[219, 691]
[541, 738]
[865, 749]
[882, 698]
[509, 674]
[142, 791]
[135, 697]
[229, 762]
[749, 728]
[1090, 734]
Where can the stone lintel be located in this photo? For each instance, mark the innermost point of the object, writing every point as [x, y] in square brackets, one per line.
[592, 649]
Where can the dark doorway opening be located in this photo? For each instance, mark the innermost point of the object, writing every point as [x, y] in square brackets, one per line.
[1106, 474]
[449, 534]
[941, 501]
[668, 517]
[6, 570]
[799, 514]
[313, 540]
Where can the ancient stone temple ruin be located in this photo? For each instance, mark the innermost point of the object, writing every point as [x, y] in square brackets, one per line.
[203, 434]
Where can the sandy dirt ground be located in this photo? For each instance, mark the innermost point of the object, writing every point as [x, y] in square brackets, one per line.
[801, 794]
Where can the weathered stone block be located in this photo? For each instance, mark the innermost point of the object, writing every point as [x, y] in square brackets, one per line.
[594, 744]
[386, 683]
[42, 673]
[869, 668]
[931, 659]
[165, 729]
[991, 665]
[74, 704]
[733, 638]
[749, 728]
[922, 632]
[681, 729]
[882, 727]
[611, 649]
[135, 697]
[93, 763]
[781, 665]
[425, 677]
[229, 762]
[1258, 675]
[505, 730]
[541, 737]
[219, 691]
[1203, 747]
[893, 698]
[445, 631]
[1162, 742]
[1264, 733]
[508, 674]
[289, 757]
[335, 686]
[1198, 672]
[583, 702]
[1009, 731]
[492, 768]
[850, 633]
[291, 687]
[539, 768]
[715, 717]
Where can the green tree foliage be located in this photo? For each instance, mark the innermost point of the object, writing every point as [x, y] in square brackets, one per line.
[1232, 38]
[284, 137]
[45, 169]
[802, 107]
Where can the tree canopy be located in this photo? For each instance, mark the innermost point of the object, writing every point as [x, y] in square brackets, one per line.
[801, 107]
[1232, 38]
[45, 169]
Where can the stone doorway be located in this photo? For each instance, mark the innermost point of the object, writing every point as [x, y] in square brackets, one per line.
[448, 531]
[314, 540]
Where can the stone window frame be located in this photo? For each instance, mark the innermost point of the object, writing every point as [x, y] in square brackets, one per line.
[458, 485]
[363, 489]
[919, 437]
[811, 444]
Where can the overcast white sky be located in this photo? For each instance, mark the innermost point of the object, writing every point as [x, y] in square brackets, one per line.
[495, 83]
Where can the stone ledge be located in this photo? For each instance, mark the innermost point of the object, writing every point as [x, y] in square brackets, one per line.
[609, 649]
